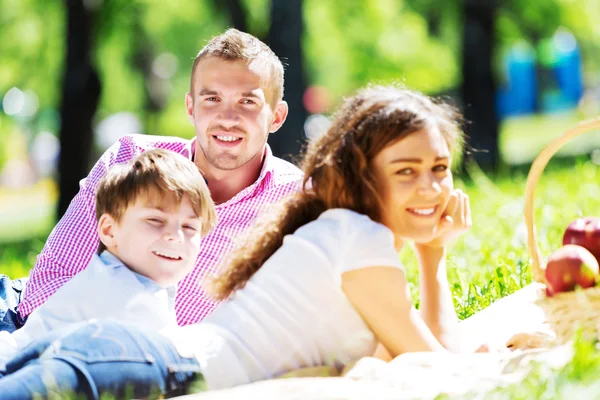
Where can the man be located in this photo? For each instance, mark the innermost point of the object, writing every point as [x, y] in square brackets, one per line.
[235, 101]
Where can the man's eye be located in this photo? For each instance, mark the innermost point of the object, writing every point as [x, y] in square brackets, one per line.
[212, 99]
[247, 101]
[440, 168]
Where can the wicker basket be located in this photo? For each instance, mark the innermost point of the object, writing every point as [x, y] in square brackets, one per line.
[565, 312]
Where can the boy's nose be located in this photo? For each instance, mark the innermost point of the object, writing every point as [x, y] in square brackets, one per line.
[173, 234]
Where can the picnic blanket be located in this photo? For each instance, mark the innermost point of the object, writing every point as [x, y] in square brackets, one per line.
[512, 320]
[409, 376]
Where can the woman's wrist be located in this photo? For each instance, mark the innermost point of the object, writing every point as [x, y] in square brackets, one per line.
[426, 252]
[432, 260]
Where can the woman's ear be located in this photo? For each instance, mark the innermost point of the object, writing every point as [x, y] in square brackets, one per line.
[106, 231]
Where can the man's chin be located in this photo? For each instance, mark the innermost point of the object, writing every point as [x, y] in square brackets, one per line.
[226, 162]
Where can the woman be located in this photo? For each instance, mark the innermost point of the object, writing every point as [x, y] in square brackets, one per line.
[318, 282]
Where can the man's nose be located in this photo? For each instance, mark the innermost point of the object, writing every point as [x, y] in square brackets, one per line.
[229, 117]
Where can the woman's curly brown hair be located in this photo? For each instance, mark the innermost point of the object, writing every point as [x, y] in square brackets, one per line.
[338, 173]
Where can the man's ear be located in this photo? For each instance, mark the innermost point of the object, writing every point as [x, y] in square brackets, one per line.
[106, 231]
[189, 107]
[280, 114]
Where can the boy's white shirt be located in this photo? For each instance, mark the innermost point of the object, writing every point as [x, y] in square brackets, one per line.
[106, 289]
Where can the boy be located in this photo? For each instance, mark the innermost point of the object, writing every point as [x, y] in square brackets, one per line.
[151, 214]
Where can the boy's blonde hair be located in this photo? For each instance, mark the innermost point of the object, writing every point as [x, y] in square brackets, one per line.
[161, 173]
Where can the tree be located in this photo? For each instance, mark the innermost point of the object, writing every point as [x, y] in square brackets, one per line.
[285, 38]
[81, 90]
[478, 86]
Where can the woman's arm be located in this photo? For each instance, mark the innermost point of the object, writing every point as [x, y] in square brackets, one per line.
[381, 297]
[436, 305]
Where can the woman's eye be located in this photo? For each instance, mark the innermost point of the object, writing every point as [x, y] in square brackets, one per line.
[247, 101]
[155, 220]
[405, 171]
[440, 168]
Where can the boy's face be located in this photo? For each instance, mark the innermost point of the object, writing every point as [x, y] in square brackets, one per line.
[156, 237]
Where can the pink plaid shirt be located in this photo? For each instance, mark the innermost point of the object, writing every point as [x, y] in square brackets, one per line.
[74, 239]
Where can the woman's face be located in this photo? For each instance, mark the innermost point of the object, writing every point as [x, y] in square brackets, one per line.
[415, 183]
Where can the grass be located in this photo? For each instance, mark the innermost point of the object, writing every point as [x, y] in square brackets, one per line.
[490, 261]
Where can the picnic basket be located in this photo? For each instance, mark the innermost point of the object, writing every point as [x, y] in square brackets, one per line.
[571, 311]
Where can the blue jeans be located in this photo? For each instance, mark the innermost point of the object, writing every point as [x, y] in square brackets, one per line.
[97, 357]
[11, 292]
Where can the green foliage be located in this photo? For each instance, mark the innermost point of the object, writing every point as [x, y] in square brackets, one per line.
[347, 44]
[382, 41]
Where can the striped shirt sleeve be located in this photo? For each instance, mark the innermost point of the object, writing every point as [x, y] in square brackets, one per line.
[74, 239]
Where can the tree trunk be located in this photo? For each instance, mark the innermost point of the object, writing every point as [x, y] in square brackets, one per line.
[235, 11]
[285, 39]
[80, 95]
[479, 87]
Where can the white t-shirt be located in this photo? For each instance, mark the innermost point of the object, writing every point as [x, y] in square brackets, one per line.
[105, 289]
[293, 313]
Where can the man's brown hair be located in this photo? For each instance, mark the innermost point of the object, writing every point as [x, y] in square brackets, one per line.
[159, 174]
[234, 45]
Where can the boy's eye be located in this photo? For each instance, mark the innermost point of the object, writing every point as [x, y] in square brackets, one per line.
[190, 227]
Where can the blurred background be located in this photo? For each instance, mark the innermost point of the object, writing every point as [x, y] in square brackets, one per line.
[75, 75]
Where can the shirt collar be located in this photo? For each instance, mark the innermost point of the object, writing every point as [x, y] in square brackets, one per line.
[110, 260]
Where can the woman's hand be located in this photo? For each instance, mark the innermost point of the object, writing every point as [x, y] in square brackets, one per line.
[455, 220]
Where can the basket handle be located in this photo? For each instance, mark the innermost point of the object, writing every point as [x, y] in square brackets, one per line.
[534, 175]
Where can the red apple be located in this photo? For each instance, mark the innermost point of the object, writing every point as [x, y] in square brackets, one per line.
[570, 266]
[584, 232]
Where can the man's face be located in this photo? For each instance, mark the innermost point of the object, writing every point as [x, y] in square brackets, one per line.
[231, 112]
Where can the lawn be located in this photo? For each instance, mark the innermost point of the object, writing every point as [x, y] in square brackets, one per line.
[487, 263]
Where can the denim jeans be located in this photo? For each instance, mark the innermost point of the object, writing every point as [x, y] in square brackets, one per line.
[97, 357]
[11, 292]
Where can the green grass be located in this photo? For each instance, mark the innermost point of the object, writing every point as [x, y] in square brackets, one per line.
[577, 380]
[490, 261]
[522, 138]
[26, 212]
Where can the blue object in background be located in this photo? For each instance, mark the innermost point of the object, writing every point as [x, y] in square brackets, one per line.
[546, 79]
[568, 68]
[518, 95]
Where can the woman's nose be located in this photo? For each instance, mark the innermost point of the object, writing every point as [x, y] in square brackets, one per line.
[429, 185]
